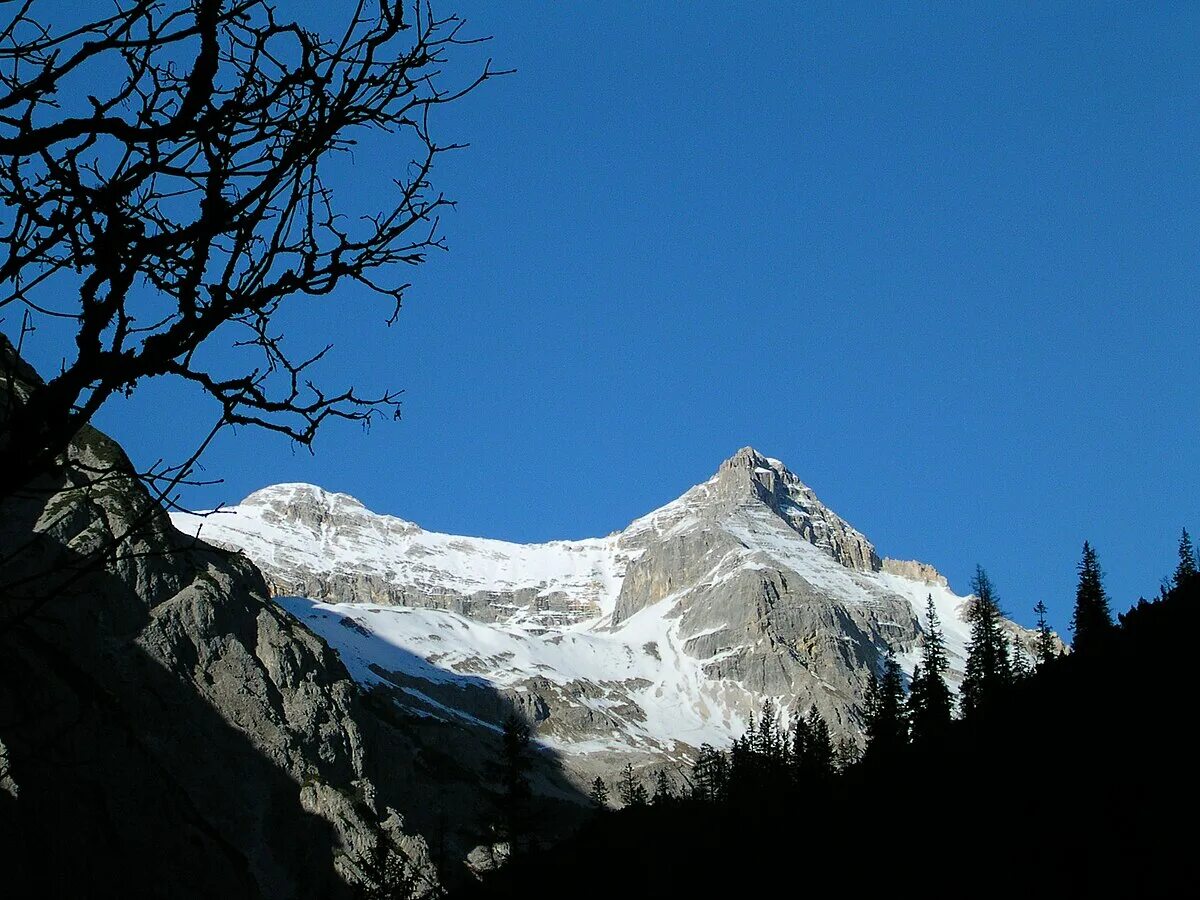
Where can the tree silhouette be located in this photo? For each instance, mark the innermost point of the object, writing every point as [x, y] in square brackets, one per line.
[817, 761]
[1186, 570]
[1045, 647]
[766, 741]
[887, 725]
[989, 669]
[1020, 662]
[599, 792]
[847, 753]
[801, 736]
[163, 178]
[513, 773]
[631, 789]
[930, 703]
[663, 791]
[709, 774]
[1092, 621]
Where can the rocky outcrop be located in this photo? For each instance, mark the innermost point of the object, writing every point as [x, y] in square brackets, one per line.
[748, 476]
[914, 571]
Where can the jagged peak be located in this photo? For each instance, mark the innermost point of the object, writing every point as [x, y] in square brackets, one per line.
[749, 479]
[748, 457]
[289, 492]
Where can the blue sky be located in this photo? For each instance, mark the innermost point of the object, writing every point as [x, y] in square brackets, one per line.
[943, 264]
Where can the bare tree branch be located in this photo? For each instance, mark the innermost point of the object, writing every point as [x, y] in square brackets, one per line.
[191, 198]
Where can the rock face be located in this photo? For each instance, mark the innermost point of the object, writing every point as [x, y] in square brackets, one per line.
[166, 727]
[642, 644]
[914, 571]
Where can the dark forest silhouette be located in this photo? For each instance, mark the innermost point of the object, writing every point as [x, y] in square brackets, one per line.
[1072, 777]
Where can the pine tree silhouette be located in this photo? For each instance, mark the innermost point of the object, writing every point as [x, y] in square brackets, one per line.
[631, 789]
[800, 737]
[1045, 648]
[887, 725]
[709, 774]
[989, 669]
[514, 764]
[1186, 570]
[847, 754]
[817, 759]
[930, 703]
[599, 792]
[766, 740]
[1092, 621]
[663, 791]
[1020, 662]
[743, 765]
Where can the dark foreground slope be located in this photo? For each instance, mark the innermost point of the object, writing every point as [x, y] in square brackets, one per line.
[167, 730]
[1082, 780]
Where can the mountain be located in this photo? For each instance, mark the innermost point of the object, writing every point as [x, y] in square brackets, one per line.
[641, 645]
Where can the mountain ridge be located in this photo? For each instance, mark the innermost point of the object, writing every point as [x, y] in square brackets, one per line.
[744, 588]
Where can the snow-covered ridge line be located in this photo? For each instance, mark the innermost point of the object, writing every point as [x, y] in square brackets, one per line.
[296, 525]
[666, 634]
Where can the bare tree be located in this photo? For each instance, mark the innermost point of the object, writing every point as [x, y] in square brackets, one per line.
[163, 179]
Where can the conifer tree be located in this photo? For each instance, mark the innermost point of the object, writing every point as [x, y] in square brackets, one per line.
[887, 726]
[847, 754]
[989, 669]
[1045, 648]
[709, 774]
[663, 790]
[599, 792]
[817, 759]
[1092, 621]
[1020, 662]
[767, 740]
[799, 747]
[769, 749]
[742, 764]
[631, 789]
[930, 704]
[1186, 570]
[513, 768]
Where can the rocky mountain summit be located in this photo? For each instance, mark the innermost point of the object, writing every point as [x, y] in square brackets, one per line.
[642, 644]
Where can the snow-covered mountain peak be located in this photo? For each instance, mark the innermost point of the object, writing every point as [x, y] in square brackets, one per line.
[318, 510]
[745, 587]
[292, 493]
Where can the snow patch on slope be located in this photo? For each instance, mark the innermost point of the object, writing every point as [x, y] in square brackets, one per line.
[643, 661]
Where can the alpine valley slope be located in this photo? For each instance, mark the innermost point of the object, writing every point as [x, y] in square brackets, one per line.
[640, 645]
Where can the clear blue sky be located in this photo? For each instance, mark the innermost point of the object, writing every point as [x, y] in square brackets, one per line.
[944, 265]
